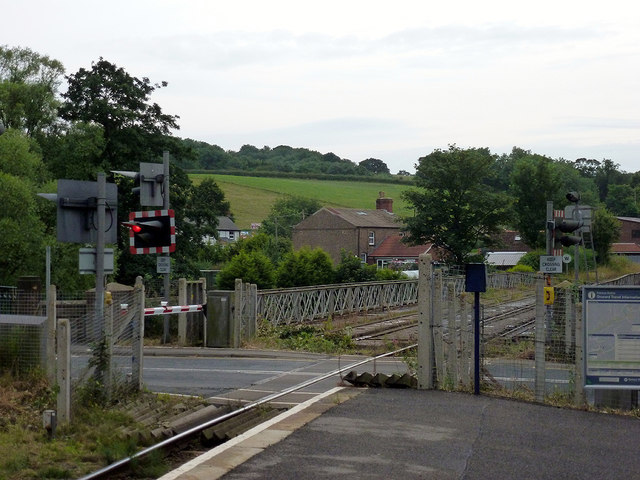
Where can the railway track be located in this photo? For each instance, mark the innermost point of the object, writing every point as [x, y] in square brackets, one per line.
[503, 320]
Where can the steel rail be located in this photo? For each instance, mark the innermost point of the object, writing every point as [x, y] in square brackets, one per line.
[187, 433]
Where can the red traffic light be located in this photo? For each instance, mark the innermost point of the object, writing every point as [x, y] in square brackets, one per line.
[151, 231]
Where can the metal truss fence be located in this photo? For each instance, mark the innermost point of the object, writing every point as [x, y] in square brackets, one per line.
[297, 305]
[303, 304]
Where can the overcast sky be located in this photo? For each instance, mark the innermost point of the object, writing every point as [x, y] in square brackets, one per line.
[362, 79]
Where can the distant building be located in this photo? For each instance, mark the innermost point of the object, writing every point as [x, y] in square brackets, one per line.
[356, 231]
[228, 231]
[394, 253]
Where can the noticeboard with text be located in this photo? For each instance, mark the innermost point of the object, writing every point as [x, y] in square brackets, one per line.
[611, 319]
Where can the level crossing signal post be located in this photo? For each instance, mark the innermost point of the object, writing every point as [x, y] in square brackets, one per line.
[153, 231]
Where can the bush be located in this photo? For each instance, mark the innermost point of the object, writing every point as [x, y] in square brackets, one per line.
[252, 267]
[305, 267]
[521, 269]
[532, 259]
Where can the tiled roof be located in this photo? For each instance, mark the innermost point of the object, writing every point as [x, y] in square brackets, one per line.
[225, 223]
[393, 246]
[629, 219]
[366, 218]
[625, 248]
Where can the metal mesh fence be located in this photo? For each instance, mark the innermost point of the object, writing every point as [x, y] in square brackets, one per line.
[103, 344]
[22, 330]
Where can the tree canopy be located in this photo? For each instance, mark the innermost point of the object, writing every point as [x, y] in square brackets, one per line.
[455, 208]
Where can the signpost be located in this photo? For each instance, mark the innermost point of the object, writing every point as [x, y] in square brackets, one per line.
[551, 264]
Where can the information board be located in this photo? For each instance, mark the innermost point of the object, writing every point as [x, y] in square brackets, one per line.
[611, 319]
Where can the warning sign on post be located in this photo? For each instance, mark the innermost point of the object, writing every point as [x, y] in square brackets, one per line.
[550, 264]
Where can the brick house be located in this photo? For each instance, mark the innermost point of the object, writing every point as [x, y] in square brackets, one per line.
[629, 242]
[393, 252]
[356, 231]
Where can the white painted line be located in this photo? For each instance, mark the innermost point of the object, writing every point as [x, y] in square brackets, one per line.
[173, 475]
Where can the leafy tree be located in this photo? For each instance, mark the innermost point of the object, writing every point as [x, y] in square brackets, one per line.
[352, 270]
[75, 154]
[374, 166]
[28, 86]
[251, 267]
[287, 212]
[621, 200]
[134, 129]
[608, 173]
[606, 230]
[403, 173]
[22, 240]
[305, 267]
[455, 207]
[207, 203]
[535, 181]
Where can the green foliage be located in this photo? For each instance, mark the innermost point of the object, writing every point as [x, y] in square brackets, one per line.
[22, 239]
[522, 268]
[207, 203]
[389, 274]
[621, 200]
[534, 181]
[287, 212]
[455, 207]
[15, 355]
[374, 166]
[305, 267]
[251, 267]
[308, 338]
[352, 270]
[532, 260]
[605, 231]
[28, 84]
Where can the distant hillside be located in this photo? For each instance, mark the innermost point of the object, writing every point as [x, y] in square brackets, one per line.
[251, 198]
[283, 160]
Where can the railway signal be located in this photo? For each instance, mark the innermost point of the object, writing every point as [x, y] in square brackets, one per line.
[151, 232]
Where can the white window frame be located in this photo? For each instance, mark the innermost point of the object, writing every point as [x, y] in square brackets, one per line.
[372, 238]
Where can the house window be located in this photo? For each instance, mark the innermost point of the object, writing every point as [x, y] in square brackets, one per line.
[232, 235]
[363, 257]
[635, 233]
[372, 238]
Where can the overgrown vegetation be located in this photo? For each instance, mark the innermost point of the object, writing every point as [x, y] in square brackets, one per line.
[309, 338]
[95, 438]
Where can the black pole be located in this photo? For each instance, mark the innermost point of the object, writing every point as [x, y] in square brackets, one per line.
[476, 345]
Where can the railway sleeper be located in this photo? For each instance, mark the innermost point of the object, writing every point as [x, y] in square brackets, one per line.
[235, 426]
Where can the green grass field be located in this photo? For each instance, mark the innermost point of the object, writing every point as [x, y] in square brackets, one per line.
[251, 198]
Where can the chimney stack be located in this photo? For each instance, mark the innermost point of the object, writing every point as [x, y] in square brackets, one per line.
[383, 203]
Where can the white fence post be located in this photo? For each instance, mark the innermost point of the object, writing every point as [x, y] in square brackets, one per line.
[138, 335]
[540, 385]
[425, 324]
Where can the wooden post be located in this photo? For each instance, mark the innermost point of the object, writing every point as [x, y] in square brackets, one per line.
[425, 323]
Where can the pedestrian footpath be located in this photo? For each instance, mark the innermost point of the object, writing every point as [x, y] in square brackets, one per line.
[417, 434]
